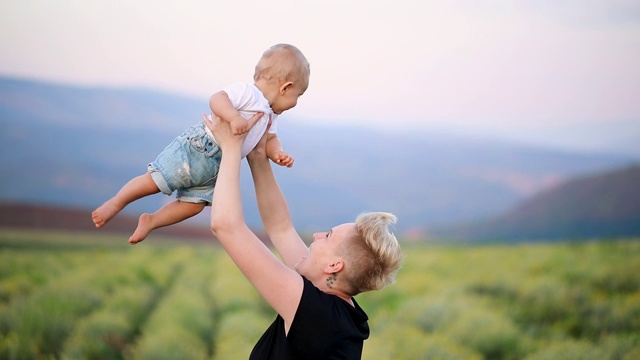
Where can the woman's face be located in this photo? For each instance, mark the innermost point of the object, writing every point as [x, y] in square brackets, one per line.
[323, 250]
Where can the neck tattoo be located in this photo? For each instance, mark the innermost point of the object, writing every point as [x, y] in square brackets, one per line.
[331, 279]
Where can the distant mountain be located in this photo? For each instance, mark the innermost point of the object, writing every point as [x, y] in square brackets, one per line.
[46, 217]
[76, 146]
[603, 205]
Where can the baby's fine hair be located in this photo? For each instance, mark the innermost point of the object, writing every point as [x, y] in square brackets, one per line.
[374, 256]
[284, 62]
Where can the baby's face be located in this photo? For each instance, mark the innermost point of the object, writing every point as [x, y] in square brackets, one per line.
[287, 100]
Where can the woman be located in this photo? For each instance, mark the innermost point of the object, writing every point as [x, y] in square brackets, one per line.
[312, 288]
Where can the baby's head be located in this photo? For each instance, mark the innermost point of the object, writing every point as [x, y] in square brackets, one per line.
[285, 68]
[283, 62]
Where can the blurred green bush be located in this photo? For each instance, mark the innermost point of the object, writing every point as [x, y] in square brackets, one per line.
[82, 296]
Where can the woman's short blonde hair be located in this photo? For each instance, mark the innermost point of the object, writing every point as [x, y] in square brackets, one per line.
[284, 62]
[372, 257]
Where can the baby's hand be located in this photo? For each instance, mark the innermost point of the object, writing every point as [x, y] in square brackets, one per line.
[240, 126]
[282, 158]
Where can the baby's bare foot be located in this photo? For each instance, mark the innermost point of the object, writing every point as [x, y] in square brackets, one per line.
[143, 229]
[104, 213]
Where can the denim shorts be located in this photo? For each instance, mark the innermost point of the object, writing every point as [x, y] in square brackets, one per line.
[189, 165]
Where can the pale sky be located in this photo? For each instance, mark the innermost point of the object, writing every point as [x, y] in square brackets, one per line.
[517, 68]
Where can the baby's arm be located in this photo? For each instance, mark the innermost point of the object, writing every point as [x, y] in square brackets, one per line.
[221, 107]
[275, 152]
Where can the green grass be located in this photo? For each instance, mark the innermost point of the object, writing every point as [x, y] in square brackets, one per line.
[86, 295]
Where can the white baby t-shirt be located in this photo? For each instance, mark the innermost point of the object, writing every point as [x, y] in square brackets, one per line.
[249, 100]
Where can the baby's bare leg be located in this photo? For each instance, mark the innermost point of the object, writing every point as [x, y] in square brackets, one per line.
[170, 214]
[135, 189]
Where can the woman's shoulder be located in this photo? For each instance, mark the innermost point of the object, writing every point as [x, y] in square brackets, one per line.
[318, 301]
[335, 325]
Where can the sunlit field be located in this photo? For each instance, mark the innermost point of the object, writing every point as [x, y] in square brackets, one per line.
[93, 296]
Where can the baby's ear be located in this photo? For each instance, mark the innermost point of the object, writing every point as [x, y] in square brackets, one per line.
[286, 86]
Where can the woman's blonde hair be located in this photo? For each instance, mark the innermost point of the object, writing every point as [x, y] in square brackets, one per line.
[284, 62]
[373, 256]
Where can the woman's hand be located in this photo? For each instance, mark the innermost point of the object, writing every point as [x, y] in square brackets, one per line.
[223, 133]
[259, 152]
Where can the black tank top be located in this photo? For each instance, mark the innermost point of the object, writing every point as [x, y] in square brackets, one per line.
[324, 327]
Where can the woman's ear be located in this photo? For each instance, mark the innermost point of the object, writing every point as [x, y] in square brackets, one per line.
[334, 267]
[284, 87]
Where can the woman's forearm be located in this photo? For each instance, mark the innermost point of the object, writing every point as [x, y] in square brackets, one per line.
[271, 202]
[226, 209]
[280, 286]
[274, 213]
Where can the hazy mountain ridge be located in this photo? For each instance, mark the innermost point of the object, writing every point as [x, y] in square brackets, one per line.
[45, 217]
[76, 146]
[603, 205]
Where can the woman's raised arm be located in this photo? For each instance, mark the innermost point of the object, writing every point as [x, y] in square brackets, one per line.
[273, 208]
[279, 285]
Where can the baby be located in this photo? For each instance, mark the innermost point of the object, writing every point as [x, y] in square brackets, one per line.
[189, 165]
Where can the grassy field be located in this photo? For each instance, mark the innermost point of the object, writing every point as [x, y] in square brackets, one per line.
[88, 296]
